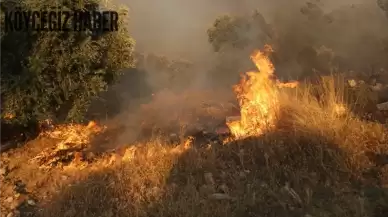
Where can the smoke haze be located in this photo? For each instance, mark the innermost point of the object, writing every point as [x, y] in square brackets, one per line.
[178, 29]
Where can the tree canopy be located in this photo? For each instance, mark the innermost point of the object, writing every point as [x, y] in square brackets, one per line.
[310, 40]
[56, 74]
[238, 32]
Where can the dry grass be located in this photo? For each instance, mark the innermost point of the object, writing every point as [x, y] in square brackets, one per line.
[320, 161]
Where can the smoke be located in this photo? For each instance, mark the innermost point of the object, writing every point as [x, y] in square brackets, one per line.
[177, 28]
[324, 34]
[354, 33]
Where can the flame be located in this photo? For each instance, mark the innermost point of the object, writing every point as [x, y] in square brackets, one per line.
[9, 116]
[91, 124]
[71, 139]
[258, 96]
[74, 133]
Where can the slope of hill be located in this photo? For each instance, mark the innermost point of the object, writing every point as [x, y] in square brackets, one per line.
[298, 151]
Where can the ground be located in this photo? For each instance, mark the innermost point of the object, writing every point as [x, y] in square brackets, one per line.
[279, 174]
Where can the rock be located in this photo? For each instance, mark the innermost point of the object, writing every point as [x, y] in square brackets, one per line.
[209, 178]
[31, 202]
[352, 83]
[377, 87]
[219, 196]
[224, 188]
[382, 106]
[64, 178]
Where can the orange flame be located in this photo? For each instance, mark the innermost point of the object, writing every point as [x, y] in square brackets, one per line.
[91, 124]
[9, 116]
[258, 96]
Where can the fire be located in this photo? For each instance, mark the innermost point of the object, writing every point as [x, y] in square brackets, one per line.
[72, 138]
[9, 116]
[258, 96]
[76, 134]
[91, 124]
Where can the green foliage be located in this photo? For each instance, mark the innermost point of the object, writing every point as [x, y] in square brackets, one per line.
[298, 36]
[226, 30]
[57, 74]
[234, 38]
[238, 32]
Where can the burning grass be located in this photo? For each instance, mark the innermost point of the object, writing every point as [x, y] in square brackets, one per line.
[72, 139]
[296, 151]
[313, 170]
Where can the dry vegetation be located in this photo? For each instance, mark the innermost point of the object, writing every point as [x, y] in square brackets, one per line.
[320, 159]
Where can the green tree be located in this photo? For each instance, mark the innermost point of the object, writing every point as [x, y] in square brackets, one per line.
[298, 36]
[239, 32]
[57, 74]
[233, 39]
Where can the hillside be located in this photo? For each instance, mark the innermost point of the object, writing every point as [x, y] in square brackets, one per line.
[295, 149]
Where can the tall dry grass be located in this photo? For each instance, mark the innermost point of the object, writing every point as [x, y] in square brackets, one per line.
[321, 160]
[329, 110]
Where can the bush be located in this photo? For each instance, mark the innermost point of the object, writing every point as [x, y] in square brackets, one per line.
[56, 74]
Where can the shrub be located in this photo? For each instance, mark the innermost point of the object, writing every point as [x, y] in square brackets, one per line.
[57, 74]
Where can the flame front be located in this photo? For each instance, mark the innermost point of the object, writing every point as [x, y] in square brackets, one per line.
[258, 96]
